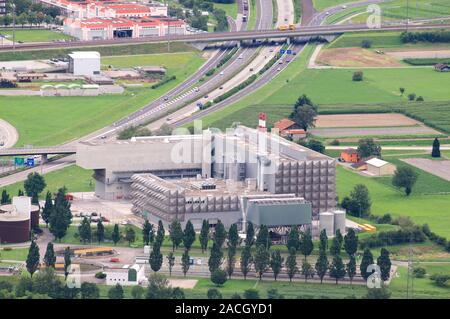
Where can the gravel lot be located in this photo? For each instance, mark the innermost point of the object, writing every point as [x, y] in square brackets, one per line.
[438, 168]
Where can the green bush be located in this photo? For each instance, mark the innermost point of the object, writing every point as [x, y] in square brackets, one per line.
[419, 272]
[100, 275]
[164, 81]
[358, 76]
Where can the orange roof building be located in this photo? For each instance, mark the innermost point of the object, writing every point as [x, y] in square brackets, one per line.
[350, 155]
[288, 128]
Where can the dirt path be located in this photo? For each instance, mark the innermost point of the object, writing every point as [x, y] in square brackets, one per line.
[8, 134]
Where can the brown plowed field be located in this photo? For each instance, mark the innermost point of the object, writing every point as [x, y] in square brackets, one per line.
[356, 57]
[364, 120]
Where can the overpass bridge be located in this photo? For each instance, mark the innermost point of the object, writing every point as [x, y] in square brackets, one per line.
[43, 151]
[302, 32]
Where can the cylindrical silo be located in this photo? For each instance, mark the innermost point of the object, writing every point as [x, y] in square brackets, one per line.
[339, 221]
[326, 221]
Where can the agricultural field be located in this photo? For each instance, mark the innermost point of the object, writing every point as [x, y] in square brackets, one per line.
[54, 120]
[356, 57]
[320, 5]
[74, 178]
[437, 168]
[34, 35]
[364, 120]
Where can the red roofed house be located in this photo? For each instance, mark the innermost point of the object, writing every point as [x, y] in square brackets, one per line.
[350, 155]
[290, 129]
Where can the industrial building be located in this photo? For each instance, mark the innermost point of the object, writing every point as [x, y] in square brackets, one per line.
[2, 7]
[100, 28]
[214, 175]
[332, 221]
[86, 63]
[18, 219]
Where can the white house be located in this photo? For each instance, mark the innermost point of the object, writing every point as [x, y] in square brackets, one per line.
[84, 63]
[125, 276]
[378, 167]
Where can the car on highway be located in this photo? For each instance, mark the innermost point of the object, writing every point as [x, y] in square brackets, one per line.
[221, 73]
[196, 89]
[114, 260]
[166, 98]
[241, 56]
[103, 137]
[279, 69]
[221, 88]
[327, 13]
[251, 69]
[280, 62]
[344, 7]
[169, 119]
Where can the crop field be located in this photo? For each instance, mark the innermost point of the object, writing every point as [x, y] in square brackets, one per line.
[34, 35]
[356, 57]
[54, 120]
[373, 131]
[364, 120]
[438, 168]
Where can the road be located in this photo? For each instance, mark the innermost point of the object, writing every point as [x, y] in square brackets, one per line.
[8, 135]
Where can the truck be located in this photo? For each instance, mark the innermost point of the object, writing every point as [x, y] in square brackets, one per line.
[286, 27]
[244, 18]
[245, 5]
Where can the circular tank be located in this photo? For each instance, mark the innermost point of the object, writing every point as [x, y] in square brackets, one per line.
[326, 221]
[339, 221]
[34, 214]
[14, 229]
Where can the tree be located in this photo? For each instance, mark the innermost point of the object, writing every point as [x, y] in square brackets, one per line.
[214, 293]
[170, 262]
[130, 235]
[351, 242]
[304, 116]
[307, 270]
[351, 268]
[137, 292]
[402, 91]
[316, 146]
[115, 292]
[100, 231]
[33, 257]
[231, 260]
[34, 184]
[188, 235]
[261, 260]
[367, 147]
[436, 152]
[220, 234]
[262, 239]
[366, 260]
[322, 264]
[20, 193]
[22, 19]
[147, 233]
[358, 76]
[5, 198]
[378, 293]
[48, 207]
[233, 236]
[115, 234]
[84, 230]
[89, 291]
[306, 244]
[251, 294]
[293, 240]
[67, 261]
[276, 263]
[412, 96]
[60, 216]
[366, 44]
[335, 248]
[339, 237]
[246, 260]
[405, 177]
[215, 258]
[291, 264]
[50, 257]
[185, 262]
[175, 234]
[323, 244]
[359, 202]
[218, 277]
[156, 258]
[337, 268]
[250, 235]
[204, 235]
[178, 293]
[384, 262]
[158, 287]
[160, 234]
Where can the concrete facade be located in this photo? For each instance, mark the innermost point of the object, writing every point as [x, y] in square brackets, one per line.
[85, 63]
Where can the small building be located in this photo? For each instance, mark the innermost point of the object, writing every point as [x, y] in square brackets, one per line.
[85, 63]
[152, 70]
[350, 155]
[378, 167]
[125, 276]
[290, 129]
[441, 67]
[361, 165]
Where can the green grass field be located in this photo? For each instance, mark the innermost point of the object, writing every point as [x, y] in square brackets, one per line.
[320, 5]
[34, 35]
[19, 254]
[252, 17]
[73, 177]
[54, 120]
[229, 8]
[431, 209]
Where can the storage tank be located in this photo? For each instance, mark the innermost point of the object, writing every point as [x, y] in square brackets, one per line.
[326, 221]
[14, 228]
[339, 221]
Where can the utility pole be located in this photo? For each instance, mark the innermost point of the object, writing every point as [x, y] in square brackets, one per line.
[168, 26]
[14, 26]
[410, 276]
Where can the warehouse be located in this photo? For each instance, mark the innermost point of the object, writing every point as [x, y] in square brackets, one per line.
[85, 63]
[378, 167]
